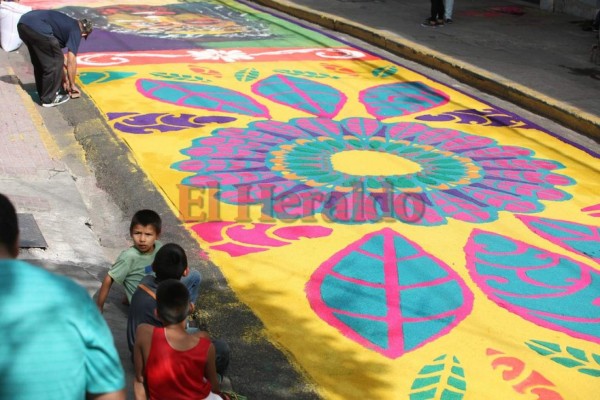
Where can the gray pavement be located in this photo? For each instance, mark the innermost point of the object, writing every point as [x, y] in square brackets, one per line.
[43, 172]
[511, 49]
[62, 166]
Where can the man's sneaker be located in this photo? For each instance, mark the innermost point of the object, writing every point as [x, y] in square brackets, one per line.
[449, 20]
[431, 23]
[58, 100]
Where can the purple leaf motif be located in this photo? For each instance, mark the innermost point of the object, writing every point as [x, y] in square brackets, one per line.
[386, 293]
[486, 117]
[196, 95]
[161, 122]
[302, 94]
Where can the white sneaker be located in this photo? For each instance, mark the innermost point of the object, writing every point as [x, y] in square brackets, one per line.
[58, 100]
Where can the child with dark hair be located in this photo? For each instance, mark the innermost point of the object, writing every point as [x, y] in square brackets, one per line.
[131, 265]
[171, 363]
[170, 263]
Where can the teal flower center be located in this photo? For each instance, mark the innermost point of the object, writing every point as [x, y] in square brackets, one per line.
[339, 164]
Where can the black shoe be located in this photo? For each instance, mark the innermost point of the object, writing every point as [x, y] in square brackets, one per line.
[449, 20]
[431, 23]
[58, 100]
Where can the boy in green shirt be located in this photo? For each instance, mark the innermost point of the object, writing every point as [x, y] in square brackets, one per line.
[132, 264]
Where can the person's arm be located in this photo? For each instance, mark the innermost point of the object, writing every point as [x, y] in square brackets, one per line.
[104, 375]
[72, 73]
[103, 292]
[210, 370]
[143, 337]
[120, 395]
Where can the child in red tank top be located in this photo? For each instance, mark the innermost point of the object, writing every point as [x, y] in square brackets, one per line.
[169, 362]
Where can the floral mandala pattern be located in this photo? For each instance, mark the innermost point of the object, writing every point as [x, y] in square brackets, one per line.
[318, 165]
[312, 128]
[438, 170]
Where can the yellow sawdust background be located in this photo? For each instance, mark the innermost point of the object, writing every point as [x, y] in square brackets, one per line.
[273, 282]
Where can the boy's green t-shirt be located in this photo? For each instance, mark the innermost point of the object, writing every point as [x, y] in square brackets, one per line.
[131, 267]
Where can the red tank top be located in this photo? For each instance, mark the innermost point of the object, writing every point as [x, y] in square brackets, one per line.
[172, 374]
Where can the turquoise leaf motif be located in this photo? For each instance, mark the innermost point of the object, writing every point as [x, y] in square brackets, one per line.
[308, 74]
[89, 77]
[387, 294]
[583, 239]
[442, 379]
[384, 72]
[247, 75]
[196, 95]
[548, 289]
[403, 98]
[569, 357]
[302, 94]
[179, 77]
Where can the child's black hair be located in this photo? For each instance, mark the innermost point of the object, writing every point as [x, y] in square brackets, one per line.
[9, 224]
[169, 262]
[172, 301]
[145, 218]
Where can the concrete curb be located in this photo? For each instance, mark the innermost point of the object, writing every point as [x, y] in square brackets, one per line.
[571, 117]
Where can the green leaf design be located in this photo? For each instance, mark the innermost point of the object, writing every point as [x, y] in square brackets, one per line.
[308, 74]
[569, 357]
[577, 353]
[247, 75]
[384, 72]
[591, 372]
[442, 379]
[543, 347]
[180, 77]
[567, 362]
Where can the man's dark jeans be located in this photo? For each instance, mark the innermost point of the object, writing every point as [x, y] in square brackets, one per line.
[47, 59]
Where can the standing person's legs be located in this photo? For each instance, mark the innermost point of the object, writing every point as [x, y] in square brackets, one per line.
[37, 68]
[437, 10]
[432, 12]
[53, 60]
[449, 6]
[437, 14]
[47, 59]
[29, 40]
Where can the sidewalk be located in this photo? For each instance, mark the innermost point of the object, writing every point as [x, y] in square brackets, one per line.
[43, 172]
[509, 48]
